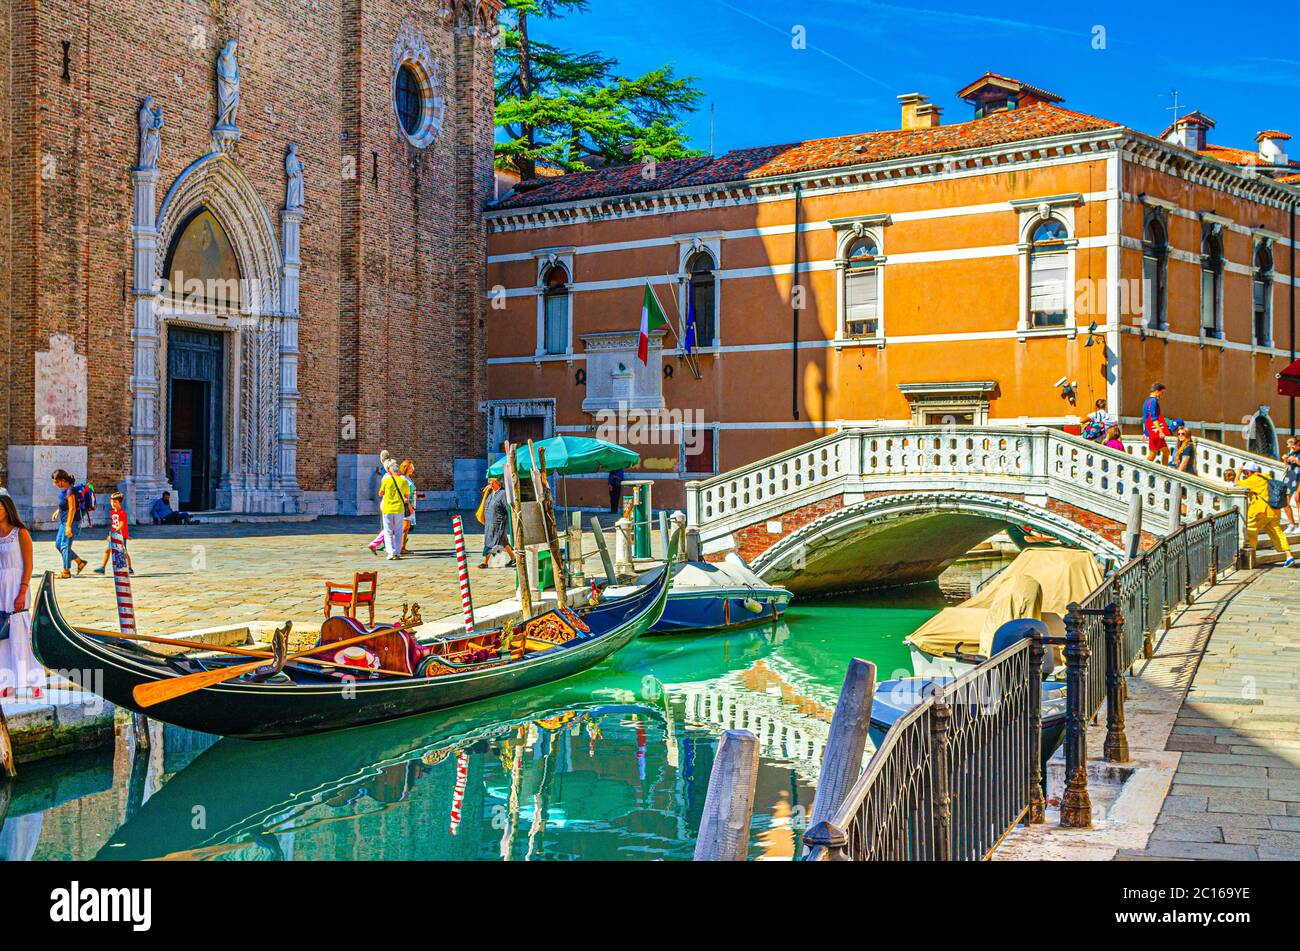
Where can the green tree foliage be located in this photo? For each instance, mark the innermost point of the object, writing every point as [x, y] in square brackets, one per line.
[560, 108]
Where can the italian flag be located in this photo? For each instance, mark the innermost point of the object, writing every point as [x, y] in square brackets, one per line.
[652, 318]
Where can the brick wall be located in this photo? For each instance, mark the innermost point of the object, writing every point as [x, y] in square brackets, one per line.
[392, 257]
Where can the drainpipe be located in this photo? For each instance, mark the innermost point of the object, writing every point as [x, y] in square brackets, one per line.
[794, 310]
[1292, 303]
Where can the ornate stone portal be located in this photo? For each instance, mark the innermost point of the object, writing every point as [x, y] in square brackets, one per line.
[257, 471]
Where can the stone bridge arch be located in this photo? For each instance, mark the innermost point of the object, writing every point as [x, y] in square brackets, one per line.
[906, 537]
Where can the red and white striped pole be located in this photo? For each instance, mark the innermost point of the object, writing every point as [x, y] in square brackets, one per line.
[122, 585]
[458, 794]
[462, 569]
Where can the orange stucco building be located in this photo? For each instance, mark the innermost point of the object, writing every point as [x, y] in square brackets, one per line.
[937, 273]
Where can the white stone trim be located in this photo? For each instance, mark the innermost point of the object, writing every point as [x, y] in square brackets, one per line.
[687, 247]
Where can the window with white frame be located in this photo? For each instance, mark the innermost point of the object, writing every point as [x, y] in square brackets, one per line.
[555, 310]
[862, 287]
[1262, 294]
[1049, 274]
[1155, 273]
[701, 300]
[1212, 283]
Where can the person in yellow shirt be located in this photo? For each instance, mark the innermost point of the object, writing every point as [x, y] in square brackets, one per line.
[1260, 516]
[393, 509]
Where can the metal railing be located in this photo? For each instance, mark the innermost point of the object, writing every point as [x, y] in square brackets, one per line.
[963, 767]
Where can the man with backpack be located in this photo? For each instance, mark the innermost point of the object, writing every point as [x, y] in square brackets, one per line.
[75, 501]
[1267, 496]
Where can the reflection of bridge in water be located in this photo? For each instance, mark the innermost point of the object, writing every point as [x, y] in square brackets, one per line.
[865, 507]
[791, 724]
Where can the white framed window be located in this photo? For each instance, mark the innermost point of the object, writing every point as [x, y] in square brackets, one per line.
[1212, 282]
[1261, 286]
[1155, 271]
[555, 295]
[699, 287]
[860, 280]
[1047, 244]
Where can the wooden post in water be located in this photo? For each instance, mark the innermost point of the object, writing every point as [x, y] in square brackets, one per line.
[8, 762]
[729, 804]
[850, 724]
[1133, 526]
[605, 560]
[517, 529]
[558, 569]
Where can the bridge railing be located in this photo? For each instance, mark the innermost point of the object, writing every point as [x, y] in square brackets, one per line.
[1037, 462]
[963, 767]
[1213, 458]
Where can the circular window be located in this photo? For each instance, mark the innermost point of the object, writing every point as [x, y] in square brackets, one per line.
[418, 107]
[410, 101]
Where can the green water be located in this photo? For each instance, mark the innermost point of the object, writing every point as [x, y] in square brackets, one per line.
[610, 764]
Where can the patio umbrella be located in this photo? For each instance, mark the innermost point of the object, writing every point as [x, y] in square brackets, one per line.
[571, 455]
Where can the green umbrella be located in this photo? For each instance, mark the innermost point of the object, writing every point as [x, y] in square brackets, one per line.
[571, 455]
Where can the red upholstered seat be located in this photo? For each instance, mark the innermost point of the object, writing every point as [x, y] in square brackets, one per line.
[361, 591]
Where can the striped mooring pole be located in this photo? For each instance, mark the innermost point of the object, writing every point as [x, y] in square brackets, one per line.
[458, 794]
[462, 570]
[122, 585]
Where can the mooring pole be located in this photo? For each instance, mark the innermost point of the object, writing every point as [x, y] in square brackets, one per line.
[1133, 526]
[850, 725]
[729, 803]
[1076, 807]
[1115, 748]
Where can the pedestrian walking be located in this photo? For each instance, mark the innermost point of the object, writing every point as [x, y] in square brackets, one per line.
[21, 674]
[1261, 515]
[1113, 439]
[407, 472]
[119, 523]
[1155, 426]
[1292, 477]
[496, 516]
[615, 489]
[1098, 423]
[393, 509]
[68, 517]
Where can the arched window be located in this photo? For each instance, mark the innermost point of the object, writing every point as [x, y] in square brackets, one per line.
[1049, 268]
[1155, 274]
[201, 267]
[1262, 296]
[555, 310]
[1211, 284]
[702, 300]
[862, 288]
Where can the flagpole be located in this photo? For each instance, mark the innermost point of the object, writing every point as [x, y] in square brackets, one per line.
[676, 336]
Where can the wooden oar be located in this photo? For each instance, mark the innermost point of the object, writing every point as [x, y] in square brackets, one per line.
[159, 691]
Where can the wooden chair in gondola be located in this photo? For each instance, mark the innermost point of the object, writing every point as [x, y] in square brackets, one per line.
[351, 595]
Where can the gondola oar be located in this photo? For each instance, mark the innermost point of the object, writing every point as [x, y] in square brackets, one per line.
[160, 691]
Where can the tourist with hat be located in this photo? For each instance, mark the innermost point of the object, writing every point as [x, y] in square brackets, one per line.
[1260, 515]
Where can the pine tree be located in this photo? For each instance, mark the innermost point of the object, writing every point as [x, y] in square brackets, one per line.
[560, 108]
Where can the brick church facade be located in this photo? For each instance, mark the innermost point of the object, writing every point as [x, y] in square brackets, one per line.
[243, 248]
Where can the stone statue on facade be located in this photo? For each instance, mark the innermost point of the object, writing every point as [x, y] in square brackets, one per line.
[293, 196]
[151, 123]
[227, 90]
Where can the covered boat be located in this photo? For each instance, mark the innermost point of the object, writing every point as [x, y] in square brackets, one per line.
[1039, 584]
[310, 698]
[710, 596]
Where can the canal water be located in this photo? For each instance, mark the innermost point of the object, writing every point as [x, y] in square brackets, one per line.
[612, 764]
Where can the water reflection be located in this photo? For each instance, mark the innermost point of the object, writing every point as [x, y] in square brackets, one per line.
[613, 763]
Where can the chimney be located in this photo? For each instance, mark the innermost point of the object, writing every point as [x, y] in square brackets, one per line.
[1192, 131]
[918, 111]
[1272, 147]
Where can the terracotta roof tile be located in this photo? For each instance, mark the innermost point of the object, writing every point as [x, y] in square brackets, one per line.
[1040, 120]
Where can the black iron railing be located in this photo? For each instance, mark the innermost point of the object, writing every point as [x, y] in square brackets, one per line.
[955, 774]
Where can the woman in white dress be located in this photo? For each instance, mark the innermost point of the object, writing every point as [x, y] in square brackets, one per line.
[21, 675]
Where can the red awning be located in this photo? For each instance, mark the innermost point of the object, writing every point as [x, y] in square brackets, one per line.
[1288, 381]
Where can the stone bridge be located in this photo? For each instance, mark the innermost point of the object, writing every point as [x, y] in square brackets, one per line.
[873, 507]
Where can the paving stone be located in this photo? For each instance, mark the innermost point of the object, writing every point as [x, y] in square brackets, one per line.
[1206, 851]
[1184, 805]
[1179, 831]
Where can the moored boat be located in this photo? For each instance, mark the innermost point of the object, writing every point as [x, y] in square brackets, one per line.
[306, 697]
[713, 596]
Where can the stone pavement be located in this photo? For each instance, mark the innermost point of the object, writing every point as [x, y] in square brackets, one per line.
[1236, 790]
[203, 576]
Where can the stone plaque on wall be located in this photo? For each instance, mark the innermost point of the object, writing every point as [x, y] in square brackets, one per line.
[60, 386]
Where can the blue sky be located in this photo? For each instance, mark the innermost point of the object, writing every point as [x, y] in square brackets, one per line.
[1238, 66]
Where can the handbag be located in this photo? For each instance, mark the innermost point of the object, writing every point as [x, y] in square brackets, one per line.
[4, 625]
[480, 514]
